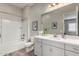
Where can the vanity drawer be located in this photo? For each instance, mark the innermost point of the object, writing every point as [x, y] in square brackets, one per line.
[53, 43]
[68, 53]
[73, 48]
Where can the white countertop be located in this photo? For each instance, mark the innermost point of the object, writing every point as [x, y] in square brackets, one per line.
[74, 41]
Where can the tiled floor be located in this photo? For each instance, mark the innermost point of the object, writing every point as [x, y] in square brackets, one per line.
[21, 52]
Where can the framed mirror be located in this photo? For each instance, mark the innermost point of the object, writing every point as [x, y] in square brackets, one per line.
[63, 22]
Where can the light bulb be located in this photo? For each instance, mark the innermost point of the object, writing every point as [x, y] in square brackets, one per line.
[49, 6]
[54, 4]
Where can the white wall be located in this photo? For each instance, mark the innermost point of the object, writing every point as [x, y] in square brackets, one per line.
[7, 8]
[26, 25]
[36, 12]
[33, 13]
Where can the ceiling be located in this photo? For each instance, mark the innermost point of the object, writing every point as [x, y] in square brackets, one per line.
[21, 5]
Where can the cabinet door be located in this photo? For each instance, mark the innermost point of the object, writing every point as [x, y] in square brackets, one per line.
[47, 50]
[37, 48]
[58, 52]
[51, 51]
[68, 53]
[71, 47]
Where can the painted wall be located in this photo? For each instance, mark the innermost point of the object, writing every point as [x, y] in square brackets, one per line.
[26, 25]
[7, 8]
[33, 13]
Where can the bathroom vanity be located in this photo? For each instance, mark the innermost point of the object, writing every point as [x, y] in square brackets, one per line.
[56, 46]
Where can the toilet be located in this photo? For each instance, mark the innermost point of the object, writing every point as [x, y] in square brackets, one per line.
[29, 45]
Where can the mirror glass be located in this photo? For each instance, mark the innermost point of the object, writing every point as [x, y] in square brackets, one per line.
[53, 22]
[70, 23]
[63, 21]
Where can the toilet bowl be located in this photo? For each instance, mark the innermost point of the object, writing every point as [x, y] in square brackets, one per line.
[29, 46]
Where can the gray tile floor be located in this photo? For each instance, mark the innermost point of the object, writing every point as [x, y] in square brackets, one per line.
[21, 52]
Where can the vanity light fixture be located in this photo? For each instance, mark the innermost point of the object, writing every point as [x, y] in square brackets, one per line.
[53, 4]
